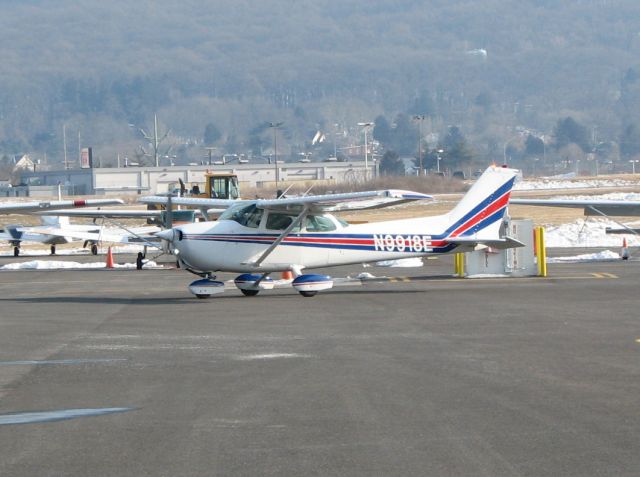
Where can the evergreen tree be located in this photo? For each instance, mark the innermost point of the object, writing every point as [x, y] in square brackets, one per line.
[211, 134]
[391, 165]
[456, 152]
[569, 131]
[382, 130]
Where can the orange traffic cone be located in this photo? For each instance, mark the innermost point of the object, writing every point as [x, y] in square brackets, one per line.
[624, 253]
[287, 275]
[109, 263]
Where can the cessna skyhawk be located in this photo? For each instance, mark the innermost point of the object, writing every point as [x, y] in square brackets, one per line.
[259, 237]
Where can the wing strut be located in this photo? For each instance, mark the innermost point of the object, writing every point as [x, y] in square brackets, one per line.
[282, 236]
[594, 209]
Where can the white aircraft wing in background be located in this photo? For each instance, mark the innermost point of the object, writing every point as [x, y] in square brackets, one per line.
[620, 208]
[105, 213]
[346, 201]
[102, 234]
[52, 205]
[326, 202]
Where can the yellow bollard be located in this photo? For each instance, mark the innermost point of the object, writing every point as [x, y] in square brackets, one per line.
[458, 261]
[541, 251]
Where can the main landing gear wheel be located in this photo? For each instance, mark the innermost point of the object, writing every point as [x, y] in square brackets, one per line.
[308, 294]
[16, 251]
[310, 285]
[53, 250]
[94, 249]
[249, 292]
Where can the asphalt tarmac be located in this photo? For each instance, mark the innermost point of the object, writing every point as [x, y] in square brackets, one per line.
[420, 375]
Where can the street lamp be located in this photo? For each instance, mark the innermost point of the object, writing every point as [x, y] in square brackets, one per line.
[366, 127]
[420, 119]
[275, 127]
[633, 165]
[438, 159]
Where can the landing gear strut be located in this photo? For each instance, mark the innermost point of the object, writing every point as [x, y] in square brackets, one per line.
[53, 250]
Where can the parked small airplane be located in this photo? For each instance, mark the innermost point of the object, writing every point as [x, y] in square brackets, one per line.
[56, 230]
[16, 234]
[259, 237]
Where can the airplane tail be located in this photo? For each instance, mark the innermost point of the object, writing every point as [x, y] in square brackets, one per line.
[478, 216]
[54, 220]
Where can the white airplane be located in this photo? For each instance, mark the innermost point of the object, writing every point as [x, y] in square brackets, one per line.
[16, 234]
[259, 237]
[56, 230]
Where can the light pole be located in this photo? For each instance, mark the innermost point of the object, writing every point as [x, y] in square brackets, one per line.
[420, 119]
[633, 165]
[275, 127]
[210, 150]
[438, 159]
[366, 126]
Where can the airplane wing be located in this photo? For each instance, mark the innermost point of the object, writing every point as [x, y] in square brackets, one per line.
[325, 203]
[104, 213]
[346, 201]
[28, 207]
[134, 235]
[192, 201]
[612, 208]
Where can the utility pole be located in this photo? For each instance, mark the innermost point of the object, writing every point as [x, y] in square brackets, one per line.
[64, 145]
[155, 142]
[210, 150]
[366, 126]
[275, 127]
[420, 119]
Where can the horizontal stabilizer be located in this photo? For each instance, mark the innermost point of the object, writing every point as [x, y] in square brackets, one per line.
[500, 244]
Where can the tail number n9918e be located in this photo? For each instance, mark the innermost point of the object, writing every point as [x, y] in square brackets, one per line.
[402, 243]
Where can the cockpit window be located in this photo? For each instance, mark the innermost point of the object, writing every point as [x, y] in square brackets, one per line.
[247, 215]
[319, 223]
[280, 221]
[312, 223]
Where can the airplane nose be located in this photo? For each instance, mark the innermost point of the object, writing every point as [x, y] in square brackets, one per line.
[168, 235]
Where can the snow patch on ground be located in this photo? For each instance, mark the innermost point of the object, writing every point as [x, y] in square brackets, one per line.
[59, 265]
[605, 255]
[587, 233]
[401, 263]
[72, 251]
[549, 183]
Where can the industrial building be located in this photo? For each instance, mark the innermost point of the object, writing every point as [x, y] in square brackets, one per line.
[151, 180]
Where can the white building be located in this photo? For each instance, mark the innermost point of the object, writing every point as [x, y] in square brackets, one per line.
[151, 180]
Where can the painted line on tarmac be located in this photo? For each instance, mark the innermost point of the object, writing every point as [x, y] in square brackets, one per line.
[60, 415]
[592, 276]
[34, 362]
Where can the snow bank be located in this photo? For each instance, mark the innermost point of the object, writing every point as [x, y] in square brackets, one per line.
[586, 233]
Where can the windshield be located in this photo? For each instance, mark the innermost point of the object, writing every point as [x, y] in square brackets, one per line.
[247, 215]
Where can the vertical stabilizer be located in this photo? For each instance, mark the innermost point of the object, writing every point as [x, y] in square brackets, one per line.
[480, 211]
